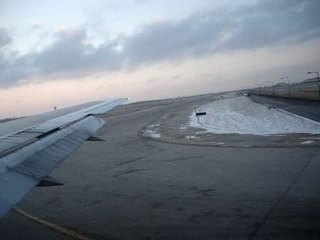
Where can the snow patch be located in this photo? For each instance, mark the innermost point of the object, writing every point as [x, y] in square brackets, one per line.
[191, 137]
[152, 131]
[183, 127]
[307, 142]
[202, 132]
[154, 125]
[151, 134]
[243, 116]
[218, 143]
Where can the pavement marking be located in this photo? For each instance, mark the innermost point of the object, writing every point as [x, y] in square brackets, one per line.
[287, 190]
[52, 226]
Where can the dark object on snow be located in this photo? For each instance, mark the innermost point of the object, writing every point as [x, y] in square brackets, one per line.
[201, 113]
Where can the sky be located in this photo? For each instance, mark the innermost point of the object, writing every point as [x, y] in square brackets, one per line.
[62, 53]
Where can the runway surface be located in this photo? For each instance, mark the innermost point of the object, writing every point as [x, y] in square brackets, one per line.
[132, 187]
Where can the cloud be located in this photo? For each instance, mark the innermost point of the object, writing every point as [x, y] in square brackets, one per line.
[169, 40]
[5, 38]
[70, 53]
[263, 24]
[275, 22]
[36, 26]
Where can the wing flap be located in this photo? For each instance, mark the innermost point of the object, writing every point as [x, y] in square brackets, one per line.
[36, 163]
[13, 187]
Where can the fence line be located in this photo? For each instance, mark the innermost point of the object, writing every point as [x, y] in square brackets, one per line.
[308, 89]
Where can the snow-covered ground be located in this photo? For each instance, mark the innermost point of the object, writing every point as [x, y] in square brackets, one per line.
[152, 131]
[151, 134]
[243, 116]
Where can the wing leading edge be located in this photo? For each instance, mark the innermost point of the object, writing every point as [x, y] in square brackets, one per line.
[27, 157]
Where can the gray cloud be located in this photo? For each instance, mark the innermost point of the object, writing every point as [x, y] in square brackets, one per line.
[70, 53]
[5, 38]
[273, 22]
[267, 23]
[166, 40]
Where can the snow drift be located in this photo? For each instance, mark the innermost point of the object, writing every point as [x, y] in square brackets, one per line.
[243, 116]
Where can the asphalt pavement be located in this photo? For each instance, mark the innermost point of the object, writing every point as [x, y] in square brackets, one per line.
[132, 187]
[305, 108]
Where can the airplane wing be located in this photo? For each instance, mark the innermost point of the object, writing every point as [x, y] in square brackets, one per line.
[29, 155]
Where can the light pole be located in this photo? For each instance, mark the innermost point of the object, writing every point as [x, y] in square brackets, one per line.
[318, 81]
[272, 87]
[259, 88]
[288, 84]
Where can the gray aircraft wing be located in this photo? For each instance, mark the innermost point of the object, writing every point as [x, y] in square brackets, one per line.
[30, 153]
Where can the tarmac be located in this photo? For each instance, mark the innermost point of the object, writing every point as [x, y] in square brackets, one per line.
[135, 187]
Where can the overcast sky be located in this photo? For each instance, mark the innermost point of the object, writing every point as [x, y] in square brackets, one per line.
[59, 53]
